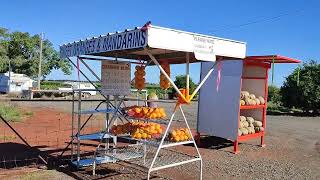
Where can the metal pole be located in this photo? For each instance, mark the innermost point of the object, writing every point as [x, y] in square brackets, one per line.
[95, 75]
[79, 128]
[187, 75]
[40, 59]
[201, 83]
[165, 74]
[72, 126]
[9, 76]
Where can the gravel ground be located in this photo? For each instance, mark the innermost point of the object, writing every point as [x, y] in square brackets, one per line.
[292, 151]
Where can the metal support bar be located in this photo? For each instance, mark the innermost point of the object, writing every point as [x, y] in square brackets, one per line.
[83, 74]
[175, 164]
[162, 140]
[188, 74]
[79, 128]
[88, 67]
[165, 74]
[23, 140]
[64, 150]
[202, 82]
[194, 142]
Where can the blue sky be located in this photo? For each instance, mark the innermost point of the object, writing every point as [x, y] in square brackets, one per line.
[295, 33]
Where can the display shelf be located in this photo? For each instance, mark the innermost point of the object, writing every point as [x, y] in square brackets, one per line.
[89, 161]
[160, 121]
[96, 136]
[123, 153]
[165, 159]
[261, 106]
[94, 111]
[156, 141]
[250, 136]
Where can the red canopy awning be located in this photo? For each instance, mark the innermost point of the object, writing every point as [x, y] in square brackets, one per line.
[271, 58]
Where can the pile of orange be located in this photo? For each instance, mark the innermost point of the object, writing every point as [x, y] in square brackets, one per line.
[164, 82]
[121, 129]
[146, 112]
[139, 80]
[179, 135]
[138, 130]
[147, 131]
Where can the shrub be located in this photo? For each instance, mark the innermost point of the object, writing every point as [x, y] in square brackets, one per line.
[10, 113]
[305, 93]
[274, 94]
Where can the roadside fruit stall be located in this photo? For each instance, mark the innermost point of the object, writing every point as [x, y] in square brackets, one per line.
[236, 97]
[152, 138]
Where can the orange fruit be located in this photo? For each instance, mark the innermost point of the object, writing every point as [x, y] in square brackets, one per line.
[144, 135]
[138, 135]
[157, 126]
[174, 133]
[176, 139]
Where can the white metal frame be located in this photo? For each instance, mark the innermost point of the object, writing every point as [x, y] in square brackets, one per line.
[117, 114]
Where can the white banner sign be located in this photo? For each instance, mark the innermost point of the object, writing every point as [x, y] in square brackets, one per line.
[118, 41]
[115, 78]
[203, 48]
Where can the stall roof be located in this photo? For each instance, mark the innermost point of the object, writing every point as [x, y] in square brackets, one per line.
[272, 58]
[165, 44]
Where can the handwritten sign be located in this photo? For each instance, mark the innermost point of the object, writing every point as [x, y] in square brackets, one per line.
[115, 78]
[203, 48]
[118, 41]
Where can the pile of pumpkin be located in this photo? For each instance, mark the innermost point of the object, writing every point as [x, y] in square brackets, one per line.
[250, 99]
[138, 130]
[249, 126]
[146, 112]
[178, 135]
[139, 77]
[164, 82]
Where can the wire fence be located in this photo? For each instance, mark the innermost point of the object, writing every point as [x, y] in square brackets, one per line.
[48, 137]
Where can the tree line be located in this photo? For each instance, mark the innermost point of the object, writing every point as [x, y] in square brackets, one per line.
[300, 90]
[21, 51]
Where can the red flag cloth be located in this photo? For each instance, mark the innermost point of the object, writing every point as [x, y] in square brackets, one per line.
[146, 26]
[219, 75]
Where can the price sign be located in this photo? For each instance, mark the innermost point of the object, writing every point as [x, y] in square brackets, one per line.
[115, 78]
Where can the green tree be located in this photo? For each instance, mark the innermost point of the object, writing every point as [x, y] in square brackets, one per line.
[304, 94]
[22, 50]
[180, 81]
[274, 94]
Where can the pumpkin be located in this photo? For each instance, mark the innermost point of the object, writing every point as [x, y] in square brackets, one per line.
[262, 101]
[245, 123]
[257, 123]
[244, 131]
[257, 101]
[250, 119]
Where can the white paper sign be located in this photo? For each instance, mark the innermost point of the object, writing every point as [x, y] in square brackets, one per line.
[115, 78]
[203, 48]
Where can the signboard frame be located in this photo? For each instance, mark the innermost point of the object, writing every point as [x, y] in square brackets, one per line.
[115, 78]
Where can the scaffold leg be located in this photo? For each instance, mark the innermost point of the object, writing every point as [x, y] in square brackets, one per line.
[236, 147]
[197, 138]
[262, 142]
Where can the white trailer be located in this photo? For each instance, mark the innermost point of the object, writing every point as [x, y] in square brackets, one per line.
[14, 82]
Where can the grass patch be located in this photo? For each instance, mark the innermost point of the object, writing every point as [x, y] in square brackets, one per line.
[38, 175]
[8, 138]
[28, 113]
[10, 113]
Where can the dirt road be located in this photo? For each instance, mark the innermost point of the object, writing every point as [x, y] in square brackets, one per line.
[292, 151]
